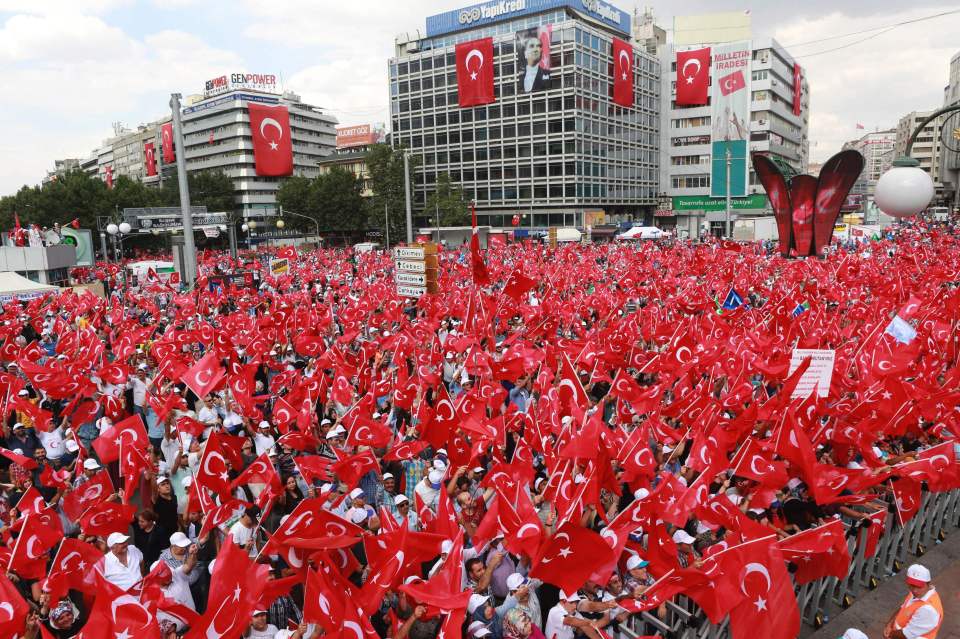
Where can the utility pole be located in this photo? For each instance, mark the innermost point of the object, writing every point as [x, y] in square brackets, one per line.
[406, 192]
[189, 249]
[386, 224]
[729, 157]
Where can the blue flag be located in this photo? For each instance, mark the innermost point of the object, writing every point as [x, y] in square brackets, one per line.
[732, 300]
[801, 308]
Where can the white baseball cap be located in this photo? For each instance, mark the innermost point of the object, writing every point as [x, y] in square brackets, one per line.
[682, 537]
[356, 492]
[573, 596]
[387, 476]
[918, 575]
[636, 561]
[400, 499]
[853, 633]
[435, 476]
[90, 464]
[475, 602]
[641, 494]
[116, 538]
[180, 540]
[515, 580]
[71, 446]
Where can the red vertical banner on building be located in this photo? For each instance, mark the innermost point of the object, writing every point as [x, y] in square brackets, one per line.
[166, 143]
[150, 158]
[622, 73]
[272, 147]
[475, 72]
[109, 170]
[693, 76]
[797, 83]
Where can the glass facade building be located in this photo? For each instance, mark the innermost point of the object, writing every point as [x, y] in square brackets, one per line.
[565, 155]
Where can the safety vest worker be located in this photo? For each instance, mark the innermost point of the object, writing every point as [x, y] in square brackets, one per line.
[921, 614]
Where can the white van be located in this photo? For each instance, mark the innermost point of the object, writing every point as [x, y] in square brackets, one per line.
[365, 247]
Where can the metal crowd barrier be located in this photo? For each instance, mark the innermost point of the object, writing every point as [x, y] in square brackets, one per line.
[898, 547]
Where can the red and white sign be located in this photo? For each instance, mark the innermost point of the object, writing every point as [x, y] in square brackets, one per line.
[166, 143]
[150, 158]
[622, 73]
[362, 135]
[797, 84]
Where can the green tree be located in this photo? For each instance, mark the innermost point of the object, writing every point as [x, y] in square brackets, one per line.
[212, 189]
[337, 200]
[448, 199]
[385, 165]
[295, 194]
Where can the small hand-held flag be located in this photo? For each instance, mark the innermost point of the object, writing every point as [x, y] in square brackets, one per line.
[732, 300]
[480, 275]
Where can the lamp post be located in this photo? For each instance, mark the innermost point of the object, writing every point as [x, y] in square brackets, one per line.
[283, 211]
[906, 189]
[248, 228]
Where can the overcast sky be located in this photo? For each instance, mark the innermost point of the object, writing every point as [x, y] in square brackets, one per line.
[72, 67]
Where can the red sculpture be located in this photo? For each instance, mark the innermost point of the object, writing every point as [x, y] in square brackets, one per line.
[808, 207]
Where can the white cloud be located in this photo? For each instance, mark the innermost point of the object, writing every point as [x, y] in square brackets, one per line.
[60, 7]
[66, 79]
[875, 82]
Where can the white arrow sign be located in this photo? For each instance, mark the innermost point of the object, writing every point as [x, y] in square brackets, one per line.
[418, 279]
[411, 291]
[412, 267]
[408, 253]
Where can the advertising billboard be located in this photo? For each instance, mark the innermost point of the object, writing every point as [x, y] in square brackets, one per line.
[533, 59]
[360, 135]
[250, 81]
[485, 13]
[730, 118]
[82, 239]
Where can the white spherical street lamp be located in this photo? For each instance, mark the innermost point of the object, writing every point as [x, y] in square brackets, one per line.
[281, 224]
[905, 190]
[112, 228]
[245, 227]
[252, 224]
[124, 228]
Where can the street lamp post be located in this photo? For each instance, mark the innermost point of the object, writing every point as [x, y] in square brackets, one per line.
[906, 189]
[306, 217]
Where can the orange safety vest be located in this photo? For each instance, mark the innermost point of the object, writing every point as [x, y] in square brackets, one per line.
[911, 605]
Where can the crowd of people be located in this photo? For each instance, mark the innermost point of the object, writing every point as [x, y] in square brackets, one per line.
[558, 443]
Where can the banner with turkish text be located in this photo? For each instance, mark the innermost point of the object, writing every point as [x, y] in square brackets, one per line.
[693, 77]
[475, 72]
[272, 146]
[622, 73]
[730, 118]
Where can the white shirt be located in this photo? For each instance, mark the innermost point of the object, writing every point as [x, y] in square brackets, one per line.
[241, 535]
[52, 443]
[924, 619]
[555, 628]
[119, 575]
[179, 588]
[139, 390]
[207, 415]
[428, 493]
[267, 633]
[528, 79]
[263, 443]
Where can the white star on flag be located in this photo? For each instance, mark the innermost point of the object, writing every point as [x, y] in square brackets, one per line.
[273, 146]
[760, 603]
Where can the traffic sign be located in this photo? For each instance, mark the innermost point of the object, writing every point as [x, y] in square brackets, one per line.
[409, 252]
[411, 266]
[411, 291]
[418, 279]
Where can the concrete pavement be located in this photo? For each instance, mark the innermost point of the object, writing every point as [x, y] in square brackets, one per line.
[872, 610]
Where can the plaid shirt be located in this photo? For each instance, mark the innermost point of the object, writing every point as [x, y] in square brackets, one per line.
[412, 474]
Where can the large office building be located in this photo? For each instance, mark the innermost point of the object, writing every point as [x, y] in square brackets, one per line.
[775, 123]
[950, 136]
[552, 148]
[927, 149]
[353, 142]
[217, 137]
[877, 149]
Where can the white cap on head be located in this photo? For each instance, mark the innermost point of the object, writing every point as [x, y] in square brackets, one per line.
[636, 561]
[400, 499]
[573, 596]
[180, 540]
[475, 602]
[445, 546]
[263, 424]
[90, 464]
[435, 476]
[387, 476]
[356, 492]
[116, 538]
[515, 580]
[918, 575]
[853, 633]
[682, 537]
[641, 494]
[358, 515]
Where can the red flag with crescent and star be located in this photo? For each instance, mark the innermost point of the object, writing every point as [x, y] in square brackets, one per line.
[693, 76]
[475, 72]
[150, 158]
[272, 146]
[622, 72]
[166, 143]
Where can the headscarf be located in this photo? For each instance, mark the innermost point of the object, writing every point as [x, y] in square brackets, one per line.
[60, 610]
[517, 624]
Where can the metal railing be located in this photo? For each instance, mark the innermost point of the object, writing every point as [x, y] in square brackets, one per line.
[938, 516]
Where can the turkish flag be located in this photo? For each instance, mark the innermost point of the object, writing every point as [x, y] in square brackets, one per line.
[72, 568]
[149, 158]
[235, 588]
[517, 285]
[322, 602]
[166, 143]
[475, 72]
[770, 603]
[129, 432]
[567, 559]
[261, 471]
[480, 275]
[310, 521]
[27, 463]
[732, 82]
[272, 146]
[405, 450]
[204, 375]
[622, 72]
[818, 552]
[109, 172]
[91, 492]
[693, 76]
[107, 517]
[29, 556]
[908, 498]
[214, 471]
[351, 469]
[13, 609]
[117, 613]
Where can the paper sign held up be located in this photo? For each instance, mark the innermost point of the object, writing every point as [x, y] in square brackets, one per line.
[819, 374]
